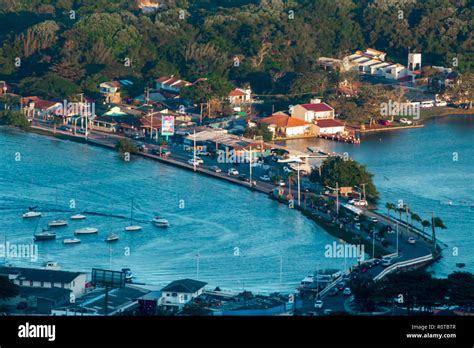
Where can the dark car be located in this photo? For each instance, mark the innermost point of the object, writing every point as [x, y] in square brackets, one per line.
[22, 305]
[333, 292]
[244, 177]
[65, 128]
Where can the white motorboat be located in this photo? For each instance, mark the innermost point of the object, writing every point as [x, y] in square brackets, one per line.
[31, 214]
[160, 222]
[78, 217]
[86, 230]
[57, 223]
[71, 241]
[112, 237]
[133, 228]
[51, 265]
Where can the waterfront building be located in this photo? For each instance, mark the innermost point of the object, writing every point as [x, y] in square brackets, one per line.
[315, 110]
[171, 83]
[180, 292]
[111, 92]
[329, 126]
[284, 126]
[45, 278]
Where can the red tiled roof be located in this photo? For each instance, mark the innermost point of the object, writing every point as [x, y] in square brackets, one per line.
[237, 93]
[328, 123]
[282, 120]
[319, 107]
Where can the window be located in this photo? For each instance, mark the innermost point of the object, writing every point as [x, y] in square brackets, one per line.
[167, 294]
[31, 283]
[174, 294]
[185, 297]
[42, 284]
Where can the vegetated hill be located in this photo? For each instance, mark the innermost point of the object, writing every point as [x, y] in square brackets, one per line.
[268, 43]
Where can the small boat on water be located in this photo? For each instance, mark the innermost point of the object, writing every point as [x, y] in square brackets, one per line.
[78, 217]
[57, 223]
[128, 274]
[160, 222]
[52, 265]
[45, 235]
[132, 228]
[71, 241]
[112, 237]
[86, 230]
[461, 265]
[31, 214]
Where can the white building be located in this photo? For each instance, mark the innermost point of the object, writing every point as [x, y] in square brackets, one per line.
[316, 110]
[330, 126]
[178, 293]
[240, 96]
[43, 278]
[284, 126]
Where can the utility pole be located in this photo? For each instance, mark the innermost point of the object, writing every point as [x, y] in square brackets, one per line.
[194, 152]
[337, 198]
[397, 238]
[363, 188]
[151, 125]
[250, 161]
[200, 116]
[299, 188]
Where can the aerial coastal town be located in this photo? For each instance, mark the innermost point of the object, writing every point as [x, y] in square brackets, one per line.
[297, 146]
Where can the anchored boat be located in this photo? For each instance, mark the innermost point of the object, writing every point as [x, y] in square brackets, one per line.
[78, 217]
[57, 223]
[31, 214]
[112, 237]
[86, 230]
[160, 222]
[71, 241]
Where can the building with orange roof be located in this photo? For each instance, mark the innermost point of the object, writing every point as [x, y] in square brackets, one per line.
[284, 126]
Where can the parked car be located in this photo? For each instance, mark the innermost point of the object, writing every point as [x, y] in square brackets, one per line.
[327, 312]
[216, 169]
[357, 226]
[373, 219]
[287, 170]
[244, 177]
[265, 178]
[405, 121]
[233, 172]
[427, 104]
[65, 128]
[384, 122]
[347, 292]
[192, 162]
[411, 240]
[333, 292]
[22, 305]
[203, 153]
[282, 183]
[341, 285]
[361, 203]
[83, 131]
[441, 103]
[387, 262]
[318, 304]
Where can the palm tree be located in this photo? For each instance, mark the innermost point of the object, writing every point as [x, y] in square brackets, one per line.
[436, 222]
[425, 223]
[291, 180]
[415, 217]
[390, 206]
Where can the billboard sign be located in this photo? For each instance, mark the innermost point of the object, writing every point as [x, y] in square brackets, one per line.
[167, 125]
[102, 277]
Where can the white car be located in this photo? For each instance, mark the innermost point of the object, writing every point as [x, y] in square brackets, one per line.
[405, 121]
[265, 178]
[347, 292]
[411, 240]
[361, 203]
[287, 170]
[203, 153]
[441, 103]
[216, 169]
[318, 304]
[233, 171]
[193, 163]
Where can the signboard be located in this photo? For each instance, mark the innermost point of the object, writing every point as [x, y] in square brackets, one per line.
[167, 125]
[104, 277]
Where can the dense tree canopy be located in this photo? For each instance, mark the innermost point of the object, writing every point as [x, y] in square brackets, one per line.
[272, 44]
